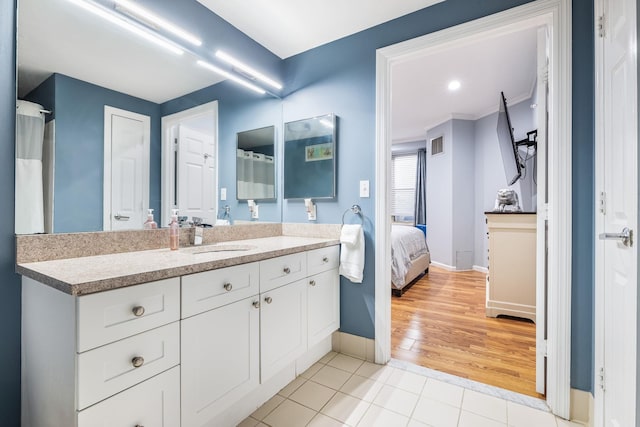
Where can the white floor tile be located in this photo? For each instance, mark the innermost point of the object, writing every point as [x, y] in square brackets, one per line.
[416, 423]
[485, 405]
[443, 392]
[249, 422]
[289, 414]
[362, 388]
[313, 369]
[523, 416]
[327, 357]
[346, 363]
[331, 377]
[436, 414]
[375, 372]
[469, 419]
[267, 407]
[345, 408]
[380, 417]
[292, 386]
[406, 380]
[396, 400]
[321, 420]
[312, 395]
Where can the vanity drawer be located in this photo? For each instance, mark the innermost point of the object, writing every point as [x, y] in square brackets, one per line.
[279, 271]
[155, 402]
[112, 315]
[107, 370]
[323, 259]
[215, 288]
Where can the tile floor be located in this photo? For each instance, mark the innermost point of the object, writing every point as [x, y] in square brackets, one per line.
[341, 390]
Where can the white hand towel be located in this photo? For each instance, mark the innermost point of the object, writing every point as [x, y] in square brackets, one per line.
[352, 252]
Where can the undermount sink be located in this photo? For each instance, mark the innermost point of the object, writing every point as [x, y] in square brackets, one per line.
[195, 250]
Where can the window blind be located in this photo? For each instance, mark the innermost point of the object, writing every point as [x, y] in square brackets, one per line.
[403, 184]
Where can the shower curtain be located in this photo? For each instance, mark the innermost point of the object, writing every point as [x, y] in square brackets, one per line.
[29, 214]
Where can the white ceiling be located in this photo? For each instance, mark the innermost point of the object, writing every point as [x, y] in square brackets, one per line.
[56, 36]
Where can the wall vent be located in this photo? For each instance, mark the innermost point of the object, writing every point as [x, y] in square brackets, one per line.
[437, 146]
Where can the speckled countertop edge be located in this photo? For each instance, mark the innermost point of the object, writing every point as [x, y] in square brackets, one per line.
[91, 274]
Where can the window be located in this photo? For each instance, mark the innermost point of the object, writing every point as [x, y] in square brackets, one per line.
[403, 186]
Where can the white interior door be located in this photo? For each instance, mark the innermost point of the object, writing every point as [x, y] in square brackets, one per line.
[126, 169]
[196, 174]
[616, 183]
[542, 91]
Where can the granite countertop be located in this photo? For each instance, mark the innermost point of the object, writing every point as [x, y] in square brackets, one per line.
[86, 275]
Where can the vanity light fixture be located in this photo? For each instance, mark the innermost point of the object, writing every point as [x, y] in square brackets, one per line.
[112, 17]
[231, 77]
[245, 68]
[454, 85]
[146, 16]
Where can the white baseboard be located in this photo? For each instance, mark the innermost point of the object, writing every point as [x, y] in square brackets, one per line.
[443, 266]
[353, 345]
[582, 407]
[484, 270]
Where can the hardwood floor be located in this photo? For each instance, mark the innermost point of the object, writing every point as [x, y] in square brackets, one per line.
[440, 323]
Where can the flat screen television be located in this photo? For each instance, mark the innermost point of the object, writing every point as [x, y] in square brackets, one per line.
[508, 145]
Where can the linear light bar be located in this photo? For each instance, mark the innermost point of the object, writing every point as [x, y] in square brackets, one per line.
[256, 74]
[160, 22]
[231, 76]
[123, 23]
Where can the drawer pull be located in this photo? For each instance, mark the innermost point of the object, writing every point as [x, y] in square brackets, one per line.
[137, 361]
[268, 300]
[325, 259]
[286, 270]
[228, 287]
[312, 282]
[256, 304]
[138, 310]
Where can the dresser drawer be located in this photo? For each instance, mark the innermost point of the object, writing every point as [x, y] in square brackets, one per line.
[155, 402]
[109, 316]
[107, 370]
[215, 288]
[279, 271]
[323, 259]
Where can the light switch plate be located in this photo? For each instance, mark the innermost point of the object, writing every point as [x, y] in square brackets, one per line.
[364, 188]
[223, 193]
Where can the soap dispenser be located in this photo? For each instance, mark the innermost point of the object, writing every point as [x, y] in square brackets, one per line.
[150, 224]
[174, 231]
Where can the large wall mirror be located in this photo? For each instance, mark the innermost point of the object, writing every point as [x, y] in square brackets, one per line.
[73, 64]
[310, 158]
[255, 164]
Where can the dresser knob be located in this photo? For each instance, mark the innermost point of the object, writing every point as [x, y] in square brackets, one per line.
[138, 310]
[286, 270]
[228, 287]
[256, 304]
[268, 300]
[312, 282]
[325, 259]
[137, 361]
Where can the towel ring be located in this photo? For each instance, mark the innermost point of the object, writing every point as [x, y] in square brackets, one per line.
[356, 210]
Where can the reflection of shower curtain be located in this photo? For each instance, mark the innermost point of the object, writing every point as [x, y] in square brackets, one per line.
[29, 194]
[255, 175]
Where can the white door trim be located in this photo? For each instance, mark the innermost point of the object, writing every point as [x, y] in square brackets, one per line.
[167, 171]
[556, 14]
[146, 141]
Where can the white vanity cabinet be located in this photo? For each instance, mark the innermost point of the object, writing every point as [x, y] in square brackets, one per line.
[323, 293]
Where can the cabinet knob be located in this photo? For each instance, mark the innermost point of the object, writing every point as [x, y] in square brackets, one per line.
[256, 304]
[228, 287]
[325, 259]
[268, 300]
[286, 270]
[138, 310]
[139, 425]
[137, 361]
[312, 282]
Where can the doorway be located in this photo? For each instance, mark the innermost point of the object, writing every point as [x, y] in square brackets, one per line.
[555, 16]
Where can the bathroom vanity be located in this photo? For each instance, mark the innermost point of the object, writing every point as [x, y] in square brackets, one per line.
[201, 336]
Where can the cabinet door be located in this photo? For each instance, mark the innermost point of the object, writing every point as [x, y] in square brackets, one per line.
[220, 359]
[323, 300]
[283, 327]
[155, 402]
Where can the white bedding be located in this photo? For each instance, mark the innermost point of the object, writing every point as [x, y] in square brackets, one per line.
[407, 244]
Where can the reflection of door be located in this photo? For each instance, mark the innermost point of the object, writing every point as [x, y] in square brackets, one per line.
[616, 185]
[126, 169]
[196, 174]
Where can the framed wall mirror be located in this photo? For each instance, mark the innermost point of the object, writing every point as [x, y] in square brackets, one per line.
[255, 164]
[310, 158]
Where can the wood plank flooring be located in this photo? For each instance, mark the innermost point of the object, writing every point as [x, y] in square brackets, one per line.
[440, 323]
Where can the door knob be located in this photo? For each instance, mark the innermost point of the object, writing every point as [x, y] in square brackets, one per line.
[626, 236]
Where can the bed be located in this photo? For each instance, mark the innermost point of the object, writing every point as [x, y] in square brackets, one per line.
[409, 257]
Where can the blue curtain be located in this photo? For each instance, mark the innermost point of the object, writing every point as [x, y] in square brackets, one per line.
[420, 213]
